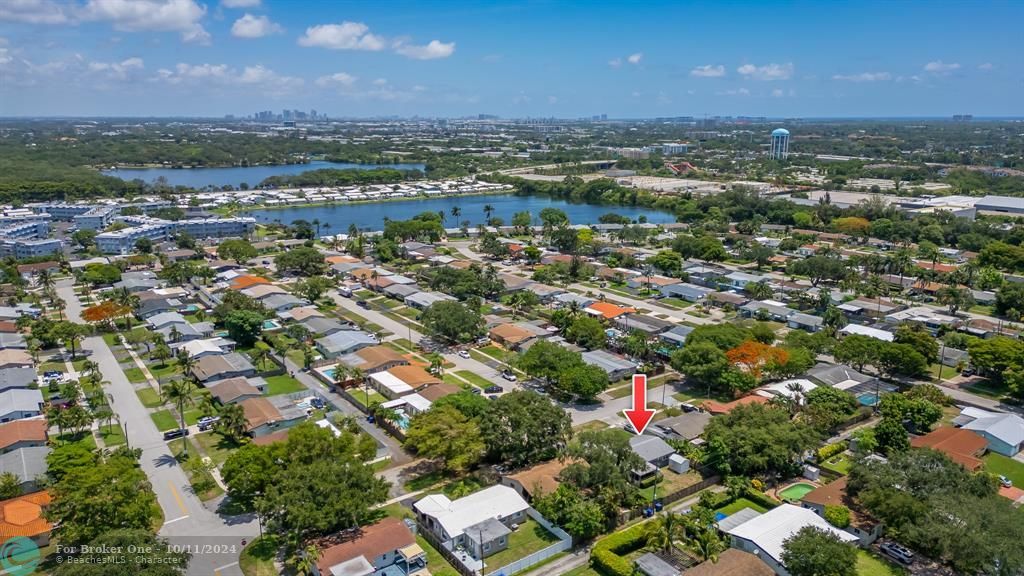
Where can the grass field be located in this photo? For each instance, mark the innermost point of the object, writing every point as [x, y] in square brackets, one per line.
[164, 420]
[257, 559]
[199, 477]
[999, 464]
[840, 463]
[112, 435]
[869, 564]
[527, 539]
[134, 375]
[739, 504]
[474, 379]
[283, 384]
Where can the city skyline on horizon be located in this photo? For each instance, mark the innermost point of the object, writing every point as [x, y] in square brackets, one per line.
[184, 58]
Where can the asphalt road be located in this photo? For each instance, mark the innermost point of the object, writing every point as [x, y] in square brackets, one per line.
[187, 521]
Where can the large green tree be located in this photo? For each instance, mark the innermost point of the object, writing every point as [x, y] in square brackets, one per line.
[817, 552]
[452, 322]
[523, 427]
[108, 555]
[756, 439]
[445, 434]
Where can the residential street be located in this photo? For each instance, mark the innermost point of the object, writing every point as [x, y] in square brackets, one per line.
[187, 522]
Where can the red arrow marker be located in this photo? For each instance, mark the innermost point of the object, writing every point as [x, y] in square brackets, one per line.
[639, 416]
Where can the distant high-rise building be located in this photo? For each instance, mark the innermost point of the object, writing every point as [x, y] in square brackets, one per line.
[780, 144]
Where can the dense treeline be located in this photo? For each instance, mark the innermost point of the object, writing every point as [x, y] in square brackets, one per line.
[347, 177]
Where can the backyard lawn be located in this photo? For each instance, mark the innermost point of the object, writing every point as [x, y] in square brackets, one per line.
[671, 482]
[869, 564]
[438, 565]
[739, 504]
[839, 463]
[527, 539]
[283, 384]
[216, 445]
[164, 420]
[999, 464]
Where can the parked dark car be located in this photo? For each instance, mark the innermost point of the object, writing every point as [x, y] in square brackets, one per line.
[178, 433]
[317, 403]
[363, 304]
[494, 389]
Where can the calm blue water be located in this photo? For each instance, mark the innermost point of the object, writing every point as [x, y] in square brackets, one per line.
[370, 215]
[251, 175]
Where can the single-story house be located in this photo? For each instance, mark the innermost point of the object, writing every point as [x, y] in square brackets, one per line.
[165, 320]
[649, 325]
[301, 313]
[808, 322]
[235, 390]
[732, 562]
[20, 403]
[728, 299]
[544, 292]
[186, 332]
[461, 522]
[924, 315]
[262, 417]
[344, 342]
[30, 271]
[764, 534]
[375, 549]
[153, 306]
[17, 377]
[739, 280]
[511, 336]
[401, 380]
[685, 291]
[795, 389]
[675, 337]
[14, 358]
[208, 347]
[1004, 432]
[688, 425]
[563, 300]
[774, 309]
[434, 392]
[25, 517]
[654, 281]
[373, 359]
[400, 291]
[650, 564]
[963, 446]
[423, 300]
[536, 480]
[23, 434]
[652, 449]
[617, 367]
[135, 285]
[837, 376]
[865, 528]
[27, 464]
[876, 333]
[282, 302]
[231, 365]
[607, 310]
[320, 326]
[262, 291]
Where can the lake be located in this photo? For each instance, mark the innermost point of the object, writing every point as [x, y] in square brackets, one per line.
[370, 215]
[236, 175]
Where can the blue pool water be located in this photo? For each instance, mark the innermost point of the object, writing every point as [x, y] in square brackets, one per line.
[330, 373]
[270, 325]
[868, 399]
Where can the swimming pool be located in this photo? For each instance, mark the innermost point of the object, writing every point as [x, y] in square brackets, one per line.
[868, 399]
[795, 492]
[271, 325]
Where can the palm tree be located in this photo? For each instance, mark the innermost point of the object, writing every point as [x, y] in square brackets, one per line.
[488, 210]
[260, 357]
[316, 222]
[306, 561]
[232, 421]
[758, 290]
[186, 362]
[60, 305]
[456, 212]
[46, 280]
[78, 418]
[436, 363]
[708, 544]
[665, 530]
[57, 416]
[91, 368]
[179, 394]
[174, 333]
[130, 301]
[341, 375]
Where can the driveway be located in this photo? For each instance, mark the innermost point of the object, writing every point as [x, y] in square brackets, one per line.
[187, 521]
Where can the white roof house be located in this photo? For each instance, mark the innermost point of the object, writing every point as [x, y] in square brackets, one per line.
[1004, 432]
[769, 530]
[454, 516]
[867, 331]
[200, 348]
[788, 388]
[394, 385]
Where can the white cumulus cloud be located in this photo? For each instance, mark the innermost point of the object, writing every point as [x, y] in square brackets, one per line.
[249, 26]
[708, 71]
[338, 79]
[986, 66]
[864, 77]
[34, 11]
[940, 67]
[635, 58]
[344, 36]
[615, 62]
[181, 16]
[767, 72]
[118, 70]
[431, 51]
[222, 75]
[239, 3]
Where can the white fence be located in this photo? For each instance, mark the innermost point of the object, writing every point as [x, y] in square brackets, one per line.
[563, 544]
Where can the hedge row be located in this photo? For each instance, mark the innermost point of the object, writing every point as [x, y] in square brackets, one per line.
[607, 555]
[829, 450]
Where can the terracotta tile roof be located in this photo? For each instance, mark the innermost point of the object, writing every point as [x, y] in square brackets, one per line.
[962, 446]
[259, 411]
[609, 310]
[414, 376]
[460, 264]
[231, 389]
[938, 266]
[341, 260]
[388, 535]
[732, 562]
[6, 326]
[37, 267]
[831, 494]
[22, 431]
[1013, 493]
[279, 436]
[302, 312]
[716, 407]
[247, 281]
[23, 516]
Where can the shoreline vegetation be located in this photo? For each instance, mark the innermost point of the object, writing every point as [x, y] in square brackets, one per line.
[161, 166]
[255, 207]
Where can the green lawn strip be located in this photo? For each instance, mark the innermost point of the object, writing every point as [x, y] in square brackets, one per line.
[739, 504]
[839, 464]
[135, 375]
[52, 367]
[424, 481]
[201, 479]
[985, 388]
[85, 439]
[437, 563]
[450, 378]
[621, 391]
[217, 446]
[257, 559]
[111, 339]
[527, 539]
[361, 397]
[164, 420]
[592, 425]
[112, 435]
[164, 371]
[869, 564]
[999, 464]
[296, 356]
[283, 384]
[474, 379]
[192, 416]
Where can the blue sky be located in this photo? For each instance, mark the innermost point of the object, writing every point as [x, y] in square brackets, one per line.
[436, 58]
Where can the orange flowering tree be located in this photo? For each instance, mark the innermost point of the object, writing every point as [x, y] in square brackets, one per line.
[105, 312]
[753, 356]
